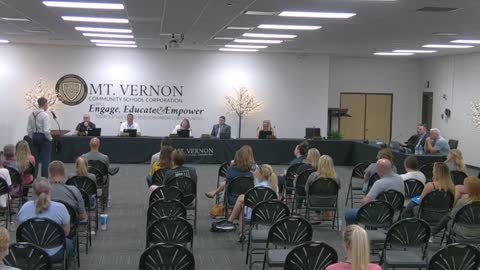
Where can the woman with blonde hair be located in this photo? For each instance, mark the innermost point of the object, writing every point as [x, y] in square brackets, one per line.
[325, 169]
[266, 126]
[265, 178]
[26, 159]
[455, 161]
[81, 166]
[4, 244]
[357, 250]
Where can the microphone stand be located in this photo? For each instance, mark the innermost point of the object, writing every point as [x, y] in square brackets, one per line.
[58, 145]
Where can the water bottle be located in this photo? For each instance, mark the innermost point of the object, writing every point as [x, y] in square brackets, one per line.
[377, 140]
[417, 150]
[421, 150]
[339, 223]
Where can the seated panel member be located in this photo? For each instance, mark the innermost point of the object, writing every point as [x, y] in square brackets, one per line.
[83, 127]
[185, 124]
[418, 139]
[266, 126]
[129, 124]
[221, 130]
[436, 144]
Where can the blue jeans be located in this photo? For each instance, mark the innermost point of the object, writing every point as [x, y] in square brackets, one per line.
[351, 216]
[58, 257]
[42, 151]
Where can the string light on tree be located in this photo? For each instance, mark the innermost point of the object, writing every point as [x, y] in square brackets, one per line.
[475, 108]
[244, 103]
[41, 88]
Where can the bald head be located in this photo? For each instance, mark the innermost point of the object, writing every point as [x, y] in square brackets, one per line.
[384, 167]
[94, 144]
[435, 133]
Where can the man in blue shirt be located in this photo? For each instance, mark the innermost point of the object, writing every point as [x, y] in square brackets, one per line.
[436, 144]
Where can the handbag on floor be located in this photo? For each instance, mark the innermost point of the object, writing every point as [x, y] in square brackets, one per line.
[217, 210]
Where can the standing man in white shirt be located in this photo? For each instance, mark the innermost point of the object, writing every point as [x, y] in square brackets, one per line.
[129, 124]
[38, 130]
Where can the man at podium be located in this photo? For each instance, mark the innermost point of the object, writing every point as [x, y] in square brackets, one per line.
[38, 130]
[83, 127]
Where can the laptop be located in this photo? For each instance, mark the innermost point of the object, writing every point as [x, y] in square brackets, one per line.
[183, 133]
[131, 132]
[264, 134]
[311, 133]
[94, 132]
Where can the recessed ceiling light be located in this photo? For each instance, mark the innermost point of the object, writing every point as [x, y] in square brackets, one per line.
[239, 28]
[106, 41]
[4, 41]
[224, 38]
[94, 19]
[414, 51]
[445, 34]
[331, 15]
[392, 54]
[467, 41]
[259, 35]
[237, 50]
[14, 19]
[116, 45]
[264, 41]
[289, 27]
[261, 13]
[103, 30]
[64, 4]
[447, 46]
[107, 35]
[246, 46]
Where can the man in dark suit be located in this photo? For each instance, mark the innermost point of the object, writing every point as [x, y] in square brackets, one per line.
[419, 138]
[221, 130]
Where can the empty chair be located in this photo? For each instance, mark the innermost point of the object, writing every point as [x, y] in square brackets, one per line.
[165, 208]
[355, 186]
[188, 187]
[27, 256]
[458, 177]
[322, 195]
[453, 144]
[290, 177]
[406, 244]
[427, 170]
[456, 256]
[466, 219]
[311, 256]
[98, 169]
[283, 236]
[170, 230]
[165, 192]
[88, 186]
[394, 198]
[376, 217]
[299, 194]
[167, 256]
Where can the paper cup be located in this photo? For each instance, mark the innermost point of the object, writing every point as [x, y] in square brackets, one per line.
[103, 222]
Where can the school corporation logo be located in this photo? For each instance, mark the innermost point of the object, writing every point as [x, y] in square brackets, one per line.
[71, 89]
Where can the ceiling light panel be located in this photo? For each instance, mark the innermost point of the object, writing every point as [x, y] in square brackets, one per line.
[102, 30]
[261, 41]
[246, 46]
[3, 41]
[289, 27]
[15, 19]
[85, 5]
[414, 51]
[237, 50]
[259, 35]
[239, 28]
[106, 41]
[307, 14]
[261, 13]
[466, 41]
[224, 38]
[94, 19]
[116, 45]
[392, 54]
[447, 46]
[107, 35]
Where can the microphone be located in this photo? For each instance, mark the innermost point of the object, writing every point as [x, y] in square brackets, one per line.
[53, 114]
[396, 137]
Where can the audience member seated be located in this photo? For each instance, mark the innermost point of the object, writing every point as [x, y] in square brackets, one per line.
[4, 244]
[26, 159]
[310, 163]
[81, 169]
[436, 144]
[156, 156]
[388, 181]
[411, 167]
[300, 153]
[471, 195]
[265, 178]
[357, 251]
[65, 193]
[455, 161]
[178, 170]
[242, 166]
[266, 126]
[184, 125]
[372, 168]
[95, 153]
[43, 207]
[5, 175]
[10, 159]
[441, 180]
[164, 163]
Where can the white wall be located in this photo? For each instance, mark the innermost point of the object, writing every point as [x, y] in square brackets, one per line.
[458, 78]
[294, 88]
[397, 76]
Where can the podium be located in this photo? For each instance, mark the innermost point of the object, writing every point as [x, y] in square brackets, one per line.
[336, 113]
[58, 132]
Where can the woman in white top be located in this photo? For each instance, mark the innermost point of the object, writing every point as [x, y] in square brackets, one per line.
[5, 175]
[411, 166]
[185, 124]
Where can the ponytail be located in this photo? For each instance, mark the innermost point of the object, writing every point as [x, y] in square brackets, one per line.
[41, 189]
[356, 241]
[43, 203]
[266, 172]
[82, 166]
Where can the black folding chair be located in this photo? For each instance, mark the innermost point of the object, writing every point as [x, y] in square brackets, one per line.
[165, 208]
[300, 194]
[16, 194]
[234, 188]
[376, 217]
[188, 187]
[458, 177]
[311, 256]
[394, 198]
[5, 211]
[158, 177]
[292, 171]
[434, 206]
[427, 170]
[100, 170]
[467, 217]
[166, 256]
[284, 235]
[222, 173]
[74, 230]
[356, 183]
[406, 244]
[27, 256]
[323, 196]
[413, 188]
[165, 192]
[170, 230]
[88, 186]
[456, 256]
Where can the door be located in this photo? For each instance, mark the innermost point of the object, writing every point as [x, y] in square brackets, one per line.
[378, 117]
[427, 106]
[353, 128]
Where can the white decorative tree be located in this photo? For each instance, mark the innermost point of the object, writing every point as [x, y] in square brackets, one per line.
[243, 104]
[475, 108]
[40, 89]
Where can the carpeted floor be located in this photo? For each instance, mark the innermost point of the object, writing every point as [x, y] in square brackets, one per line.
[122, 244]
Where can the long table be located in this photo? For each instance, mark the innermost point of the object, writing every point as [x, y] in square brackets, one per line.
[215, 151]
